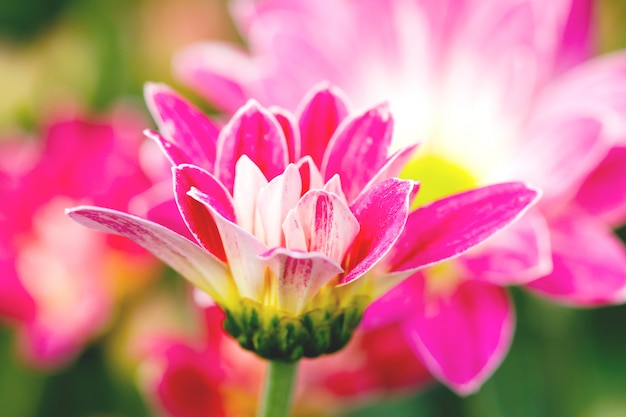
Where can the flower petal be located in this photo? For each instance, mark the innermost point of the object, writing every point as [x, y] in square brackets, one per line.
[300, 276]
[451, 226]
[382, 213]
[589, 263]
[249, 181]
[191, 261]
[274, 202]
[462, 337]
[253, 131]
[195, 214]
[218, 71]
[324, 222]
[564, 150]
[358, 149]
[190, 137]
[393, 165]
[603, 194]
[320, 113]
[290, 129]
[516, 255]
[242, 250]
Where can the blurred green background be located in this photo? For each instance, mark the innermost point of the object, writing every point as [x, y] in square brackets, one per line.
[563, 363]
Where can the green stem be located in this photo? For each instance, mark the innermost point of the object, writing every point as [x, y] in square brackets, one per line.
[278, 391]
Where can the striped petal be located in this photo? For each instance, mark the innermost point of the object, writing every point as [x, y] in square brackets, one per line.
[253, 131]
[300, 276]
[198, 266]
[188, 135]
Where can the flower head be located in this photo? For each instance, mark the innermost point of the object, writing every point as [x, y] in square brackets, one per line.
[299, 221]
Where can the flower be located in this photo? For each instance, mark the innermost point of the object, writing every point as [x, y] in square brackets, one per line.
[298, 221]
[502, 90]
[60, 281]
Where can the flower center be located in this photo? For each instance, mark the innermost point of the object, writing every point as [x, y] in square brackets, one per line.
[438, 177]
[274, 335]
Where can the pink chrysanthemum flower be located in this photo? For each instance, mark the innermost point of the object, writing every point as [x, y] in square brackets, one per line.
[298, 221]
[500, 90]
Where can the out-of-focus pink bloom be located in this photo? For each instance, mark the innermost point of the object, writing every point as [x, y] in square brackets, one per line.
[211, 375]
[501, 90]
[59, 281]
[298, 220]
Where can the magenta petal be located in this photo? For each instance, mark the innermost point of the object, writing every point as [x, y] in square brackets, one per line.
[604, 191]
[300, 276]
[516, 255]
[254, 132]
[290, 129]
[589, 263]
[382, 213]
[191, 261]
[195, 214]
[451, 226]
[462, 337]
[396, 304]
[319, 116]
[393, 165]
[358, 149]
[191, 135]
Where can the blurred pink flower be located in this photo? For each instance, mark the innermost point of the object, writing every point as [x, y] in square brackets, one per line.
[502, 90]
[299, 221]
[59, 281]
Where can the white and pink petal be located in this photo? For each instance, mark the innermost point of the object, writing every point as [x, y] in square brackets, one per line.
[300, 275]
[198, 266]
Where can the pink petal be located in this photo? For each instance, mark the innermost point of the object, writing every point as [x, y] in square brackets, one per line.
[290, 129]
[195, 214]
[603, 194]
[195, 264]
[254, 132]
[578, 40]
[242, 250]
[310, 174]
[382, 213]
[321, 112]
[393, 165]
[190, 136]
[462, 337]
[358, 149]
[396, 304]
[451, 226]
[589, 263]
[563, 151]
[217, 71]
[516, 255]
[324, 222]
[300, 276]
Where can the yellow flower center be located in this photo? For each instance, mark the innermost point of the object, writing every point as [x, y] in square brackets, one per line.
[438, 177]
